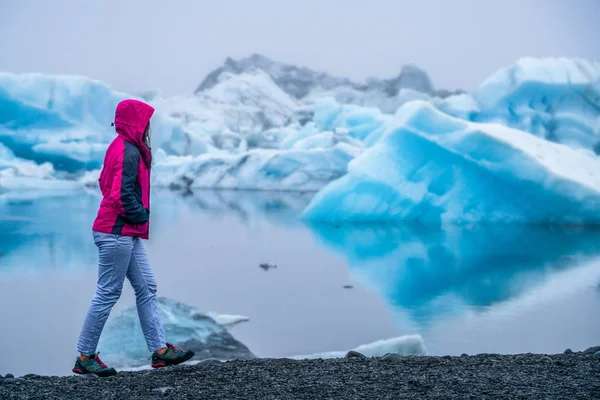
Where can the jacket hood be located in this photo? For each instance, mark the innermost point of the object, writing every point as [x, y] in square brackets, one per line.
[131, 119]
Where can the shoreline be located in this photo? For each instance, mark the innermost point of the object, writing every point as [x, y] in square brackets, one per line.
[521, 376]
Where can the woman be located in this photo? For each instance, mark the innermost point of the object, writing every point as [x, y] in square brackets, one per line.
[118, 230]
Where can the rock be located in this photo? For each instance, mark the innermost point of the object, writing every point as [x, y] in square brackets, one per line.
[164, 390]
[546, 359]
[354, 354]
[592, 350]
[464, 355]
[392, 357]
[9, 376]
[568, 351]
[284, 361]
[597, 354]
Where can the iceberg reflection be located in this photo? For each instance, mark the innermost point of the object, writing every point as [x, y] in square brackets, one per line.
[430, 272]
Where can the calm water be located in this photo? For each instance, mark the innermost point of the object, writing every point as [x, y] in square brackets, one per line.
[480, 289]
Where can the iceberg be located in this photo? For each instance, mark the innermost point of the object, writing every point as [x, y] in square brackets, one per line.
[408, 345]
[236, 107]
[66, 120]
[19, 174]
[260, 123]
[184, 325]
[258, 169]
[432, 168]
[557, 99]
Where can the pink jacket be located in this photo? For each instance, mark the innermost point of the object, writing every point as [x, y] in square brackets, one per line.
[125, 177]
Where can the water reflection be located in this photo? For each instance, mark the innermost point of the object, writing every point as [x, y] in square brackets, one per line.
[47, 232]
[245, 206]
[54, 231]
[429, 273]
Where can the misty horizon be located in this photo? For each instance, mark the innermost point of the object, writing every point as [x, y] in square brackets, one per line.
[137, 46]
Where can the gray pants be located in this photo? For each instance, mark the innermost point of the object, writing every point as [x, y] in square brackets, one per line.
[120, 257]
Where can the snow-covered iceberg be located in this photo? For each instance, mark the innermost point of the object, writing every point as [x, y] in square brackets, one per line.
[433, 168]
[232, 112]
[184, 325]
[557, 99]
[259, 169]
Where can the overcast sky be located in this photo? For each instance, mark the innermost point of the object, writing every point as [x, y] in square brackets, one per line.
[171, 45]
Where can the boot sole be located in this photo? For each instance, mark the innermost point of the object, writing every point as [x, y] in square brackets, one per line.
[103, 374]
[166, 363]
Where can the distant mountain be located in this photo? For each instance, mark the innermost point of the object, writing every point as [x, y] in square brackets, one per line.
[296, 81]
[300, 82]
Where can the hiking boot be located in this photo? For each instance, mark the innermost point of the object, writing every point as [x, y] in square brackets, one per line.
[93, 366]
[173, 355]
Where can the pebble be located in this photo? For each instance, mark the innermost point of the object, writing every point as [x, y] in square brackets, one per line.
[464, 355]
[9, 376]
[210, 361]
[546, 359]
[413, 378]
[568, 351]
[597, 354]
[164, 390]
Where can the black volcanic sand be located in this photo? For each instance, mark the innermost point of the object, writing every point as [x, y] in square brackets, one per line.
[485, 376]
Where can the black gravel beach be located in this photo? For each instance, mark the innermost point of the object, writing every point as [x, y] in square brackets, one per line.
[485, 376]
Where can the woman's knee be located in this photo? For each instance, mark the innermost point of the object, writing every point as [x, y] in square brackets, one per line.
[107, 296]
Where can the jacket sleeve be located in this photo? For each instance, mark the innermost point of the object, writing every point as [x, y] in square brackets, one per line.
[135, 212]
[123, 192]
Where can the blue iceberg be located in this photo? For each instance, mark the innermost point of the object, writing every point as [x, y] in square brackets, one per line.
[246, 132]
[557, 99]
[431, 168]
[66, 120]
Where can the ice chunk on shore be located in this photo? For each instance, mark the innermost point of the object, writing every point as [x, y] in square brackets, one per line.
[184, 325]
[409, 345]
